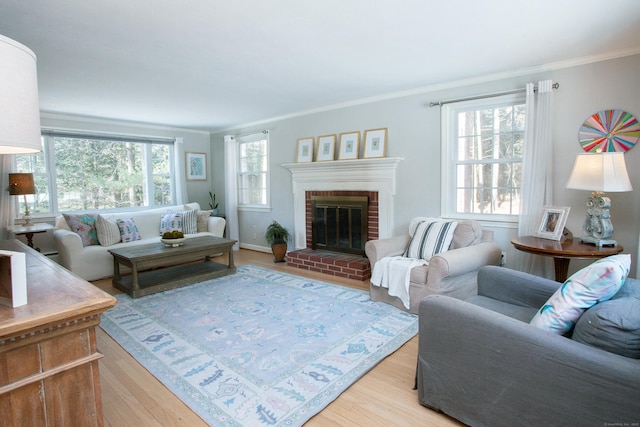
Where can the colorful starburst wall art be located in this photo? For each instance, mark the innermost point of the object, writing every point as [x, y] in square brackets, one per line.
[609, 130]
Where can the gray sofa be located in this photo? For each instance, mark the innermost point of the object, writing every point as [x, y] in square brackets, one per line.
[481, 362]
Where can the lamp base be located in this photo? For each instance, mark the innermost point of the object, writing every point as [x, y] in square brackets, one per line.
[598, 242]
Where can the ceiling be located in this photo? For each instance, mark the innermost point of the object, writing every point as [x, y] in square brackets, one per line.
[214, 64]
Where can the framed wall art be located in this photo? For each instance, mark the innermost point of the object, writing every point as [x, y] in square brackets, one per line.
[326, 148]
[375, 143]
[196, 166]
[552, 222]
[609, 130]
[349, 146]
[305, 150]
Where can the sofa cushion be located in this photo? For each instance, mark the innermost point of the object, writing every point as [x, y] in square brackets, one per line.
[467, 233]
[613, 326]
[432, 236]
[128, 230]
[84, 225]
[108, 231]
[595, 283]
[202, 222]
[170, 222]
[189, 221]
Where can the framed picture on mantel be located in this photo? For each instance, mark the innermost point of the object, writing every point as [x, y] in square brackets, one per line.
[326, 148]
[305, 150]
[375, 143]
[349, 145]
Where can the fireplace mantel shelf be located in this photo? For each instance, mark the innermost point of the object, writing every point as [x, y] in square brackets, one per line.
[378, 174]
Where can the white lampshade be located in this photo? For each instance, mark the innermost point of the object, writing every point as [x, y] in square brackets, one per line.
[603, 172]
[19, 106]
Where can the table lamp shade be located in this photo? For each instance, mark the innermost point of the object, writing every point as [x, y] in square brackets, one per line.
[21, 183]
[19, 105]
[602, 172]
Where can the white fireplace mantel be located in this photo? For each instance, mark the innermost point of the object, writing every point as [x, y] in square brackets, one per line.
[344, 175]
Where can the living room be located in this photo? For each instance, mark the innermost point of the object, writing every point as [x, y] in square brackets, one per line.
[590, 80]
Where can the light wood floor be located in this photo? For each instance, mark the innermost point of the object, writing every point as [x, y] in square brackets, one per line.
[131, 396]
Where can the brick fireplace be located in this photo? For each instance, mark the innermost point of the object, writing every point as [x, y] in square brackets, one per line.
[374, 178]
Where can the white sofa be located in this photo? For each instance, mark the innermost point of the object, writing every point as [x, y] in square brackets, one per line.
[95, 262]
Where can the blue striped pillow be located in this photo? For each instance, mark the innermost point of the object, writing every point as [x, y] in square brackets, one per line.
[430, 238]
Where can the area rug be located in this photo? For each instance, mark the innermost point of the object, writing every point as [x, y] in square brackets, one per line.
[259, 347]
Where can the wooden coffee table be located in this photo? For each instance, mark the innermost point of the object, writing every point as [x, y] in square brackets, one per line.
[156, 268]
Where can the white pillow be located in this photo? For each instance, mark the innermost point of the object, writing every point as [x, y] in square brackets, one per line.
[593, 284]
[432, 236]
[108, 231]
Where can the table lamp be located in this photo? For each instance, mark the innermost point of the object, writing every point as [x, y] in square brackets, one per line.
[599, 172]
[21, 184]
[19, 106]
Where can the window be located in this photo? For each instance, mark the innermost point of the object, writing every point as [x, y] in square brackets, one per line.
[84, 172]
[483, 144]
[253, 171]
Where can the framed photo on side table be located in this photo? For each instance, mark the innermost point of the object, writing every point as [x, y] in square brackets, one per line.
[305, 150]
[349, 146]
[326, 148]
[375, 143]
[196, 166]
[552, 222]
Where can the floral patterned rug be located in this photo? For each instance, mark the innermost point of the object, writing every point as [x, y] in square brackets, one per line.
[259, 347]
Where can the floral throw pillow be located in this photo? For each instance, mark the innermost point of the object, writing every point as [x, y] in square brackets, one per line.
[128, 230]
[83, 225]
[170, 222]
[593, 284]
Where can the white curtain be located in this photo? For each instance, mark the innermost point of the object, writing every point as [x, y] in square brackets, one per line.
[231, 189]
[7, 202]
[537, 174]
[180, 173]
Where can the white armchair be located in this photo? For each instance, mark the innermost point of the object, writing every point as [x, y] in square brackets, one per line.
[452, 273]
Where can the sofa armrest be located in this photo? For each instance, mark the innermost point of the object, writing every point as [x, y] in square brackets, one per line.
[459, 261]
[216, 225]
[393, 246]
[506, 368]
[69, 246]
[515, 287]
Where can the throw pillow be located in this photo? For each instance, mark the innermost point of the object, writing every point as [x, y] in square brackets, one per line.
[170, 222]
[189, 221]
[594, 283]
[83, 225]
[203, 221]
[128, 230]
[431, 237]
[108, 231]
[613, 326]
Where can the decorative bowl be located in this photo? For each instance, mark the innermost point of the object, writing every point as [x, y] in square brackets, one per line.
[173, 243]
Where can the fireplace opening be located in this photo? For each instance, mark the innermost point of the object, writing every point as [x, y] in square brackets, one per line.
[339, 223]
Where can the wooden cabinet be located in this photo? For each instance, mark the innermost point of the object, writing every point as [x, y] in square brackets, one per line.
[48, 358]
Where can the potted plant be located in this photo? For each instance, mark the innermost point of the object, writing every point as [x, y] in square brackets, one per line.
[213, 204]
[277, 237]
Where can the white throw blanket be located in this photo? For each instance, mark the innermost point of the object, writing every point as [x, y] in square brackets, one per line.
[394, 273]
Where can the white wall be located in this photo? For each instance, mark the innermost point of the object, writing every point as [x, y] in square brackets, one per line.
[414, 134]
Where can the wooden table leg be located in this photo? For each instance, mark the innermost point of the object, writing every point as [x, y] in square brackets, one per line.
[231, 265]
[561, 266]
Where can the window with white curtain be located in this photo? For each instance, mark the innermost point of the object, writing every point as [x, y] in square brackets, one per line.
[253, 171]
[482, 150]
[85, 172]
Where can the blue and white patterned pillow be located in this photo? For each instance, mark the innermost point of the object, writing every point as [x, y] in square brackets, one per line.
[431, 237]
[170, 222]
[128, 230]
[593, 284]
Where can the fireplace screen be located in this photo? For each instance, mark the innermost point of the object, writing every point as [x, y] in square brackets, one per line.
[339, 223]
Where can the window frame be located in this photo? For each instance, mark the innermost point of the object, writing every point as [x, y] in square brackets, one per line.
[48, 136]
[244, 139]
[449, 160]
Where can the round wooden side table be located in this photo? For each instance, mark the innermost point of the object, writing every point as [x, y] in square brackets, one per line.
[562, 251]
